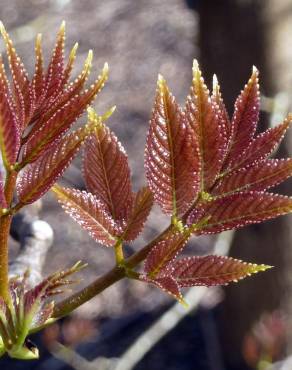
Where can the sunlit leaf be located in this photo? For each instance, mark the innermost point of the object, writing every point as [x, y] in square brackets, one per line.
[37, 177]
[245, 117]
[89, 213]
[205, 120]
[167, 284]
[171, 157]
[211, 270]
[138, 216]
[260, 176]
[164, 252]
[106, 171]
[261, 146]
[9, 125]
[19, 77]
[240, 209]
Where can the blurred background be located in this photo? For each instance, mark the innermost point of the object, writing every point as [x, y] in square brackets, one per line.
[244, 326]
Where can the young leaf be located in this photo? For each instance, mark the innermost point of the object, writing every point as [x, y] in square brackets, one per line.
[164, 252]
[19, 77]
[222, 111]
[260, 147]
[62, 120]
[38, 82]
[70, 64]
[89, 213]
[260, 176]
[240, 209]
[211, 270]
[54, 76]
[245, 117]
[171, 161]
[9, 126]
[37, 177]
[140, 211]
[167, 284]
[205, 120]
[106, 171]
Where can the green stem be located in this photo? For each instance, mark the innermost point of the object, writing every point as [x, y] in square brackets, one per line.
[119, 253]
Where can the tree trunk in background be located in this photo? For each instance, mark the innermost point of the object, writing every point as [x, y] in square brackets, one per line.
[234, 35]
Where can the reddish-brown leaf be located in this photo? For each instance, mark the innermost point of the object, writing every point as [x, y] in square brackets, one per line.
[205, 120]
[70, 64]
[211, 270]
[9, 127]
[259, 176]
[167, 284]
[260, 147]
[19, 77]
[221, 111]
[171, 158]
[46, 111]
[164, 252]
[240, 209]
[141, 209]
[55, 73]
[38, 80]
[106, 171]
[62, 120]
[37, 178]
[89, 213]
[245, 117]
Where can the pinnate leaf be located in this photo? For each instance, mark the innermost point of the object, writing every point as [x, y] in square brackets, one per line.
[211, 270]
[240, 209]
[171, 158]
[141, 208]
[260, 176]
[9, 128]
[106, 171]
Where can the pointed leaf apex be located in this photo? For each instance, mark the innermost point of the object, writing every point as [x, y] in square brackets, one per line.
[39, 38]
[255, 70]
[258, 268]
[195, 65]
[216, 86]
[89, 57]
[62, 27]
[2, 28]
[105, 69]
